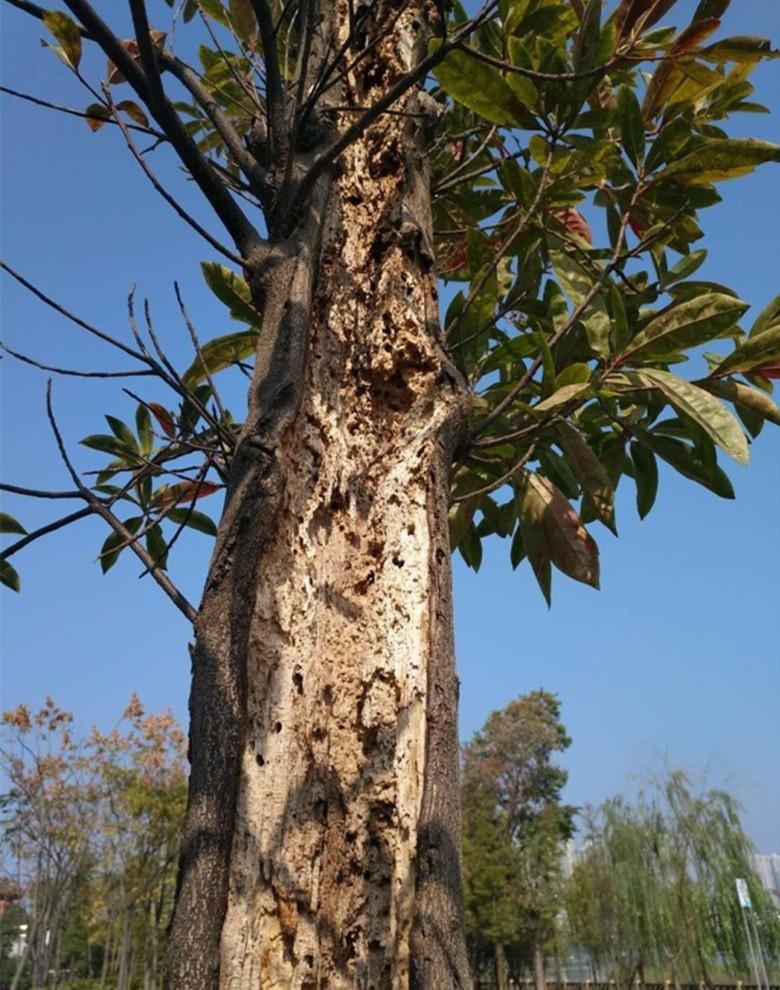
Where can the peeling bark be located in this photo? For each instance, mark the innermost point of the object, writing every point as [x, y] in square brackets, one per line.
[322, 836]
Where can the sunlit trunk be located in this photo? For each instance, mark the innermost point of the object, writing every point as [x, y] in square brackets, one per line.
[322, 838]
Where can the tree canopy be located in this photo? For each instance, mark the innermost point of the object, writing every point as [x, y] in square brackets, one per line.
[576, 147]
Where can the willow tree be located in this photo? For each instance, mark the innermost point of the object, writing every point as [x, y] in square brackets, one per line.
[351, 155]
[655, 887]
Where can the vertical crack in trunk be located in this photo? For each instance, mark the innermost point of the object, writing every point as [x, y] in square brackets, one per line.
[321, 847]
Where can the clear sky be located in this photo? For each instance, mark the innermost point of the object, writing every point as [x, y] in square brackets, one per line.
[675, 660]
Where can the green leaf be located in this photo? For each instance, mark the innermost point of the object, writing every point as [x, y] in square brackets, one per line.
[231, 289]
[768, 317]
[113, 546]
[66, 31]
[712, 416]
[711, 8]
[219, 354]
[757, 351]
[684, 268]
[479, 87]
[215, 10]
[9, 576]
[553, 532]
[195, 519]
[243, 20]
[10, 525]
[590, 472]
[720, 158]
[143, 424]
[561, 396]
[745, 397]
[646, 477]
[683, 459]
[122, 432]
[157, 547]
[687, 324]
[632, 124]
[577, 283]
[109, 445]
[460, 517]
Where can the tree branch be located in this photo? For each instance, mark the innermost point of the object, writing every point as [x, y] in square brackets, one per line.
[97, 506]
[246, 162]
[136, 355]
[70, 371]
[45, 530]
[277, 125]
[77, 113]
[158, 186]
[149, 88]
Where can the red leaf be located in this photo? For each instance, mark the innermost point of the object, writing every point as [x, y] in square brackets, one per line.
[574, 222]
[768, 371]
[163, 417]
[184, 491]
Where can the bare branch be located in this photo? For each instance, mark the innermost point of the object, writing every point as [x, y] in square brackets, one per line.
[196, 344]
[98, 507]
[169, 199]
[77, 113]
[149, 88]
[136, 355]
[70, 371]
[51, 527]
[37, 492]
[245, 161]
[277, 126]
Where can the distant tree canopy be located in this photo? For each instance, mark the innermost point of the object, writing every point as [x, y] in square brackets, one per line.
[514, 828]
[654, 889]
[89, 843]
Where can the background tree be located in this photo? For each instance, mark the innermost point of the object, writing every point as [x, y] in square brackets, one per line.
[514, 830]
[324, 696]
[91, 833]
[655, 887]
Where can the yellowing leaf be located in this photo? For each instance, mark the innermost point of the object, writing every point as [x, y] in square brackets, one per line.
[760, 349]
[685, 325]
[219, 354]
[720, 158]
[712, 416]
[67, 32]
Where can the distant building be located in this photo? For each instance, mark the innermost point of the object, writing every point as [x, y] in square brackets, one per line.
[768, 869]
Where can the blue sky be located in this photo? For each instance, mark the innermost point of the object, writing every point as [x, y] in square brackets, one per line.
[676, 659]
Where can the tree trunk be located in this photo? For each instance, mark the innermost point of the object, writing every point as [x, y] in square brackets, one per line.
[502, 968]
[540, 978]
[321, 845]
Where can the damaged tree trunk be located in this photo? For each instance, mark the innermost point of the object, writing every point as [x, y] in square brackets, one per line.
[322, 840]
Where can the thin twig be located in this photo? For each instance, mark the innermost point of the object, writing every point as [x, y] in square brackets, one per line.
[45, 530]
[105, 513]
[71, 316]
[72, 372]
[169, 199]
[37, 492]
[77, 113]
[199, 352]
